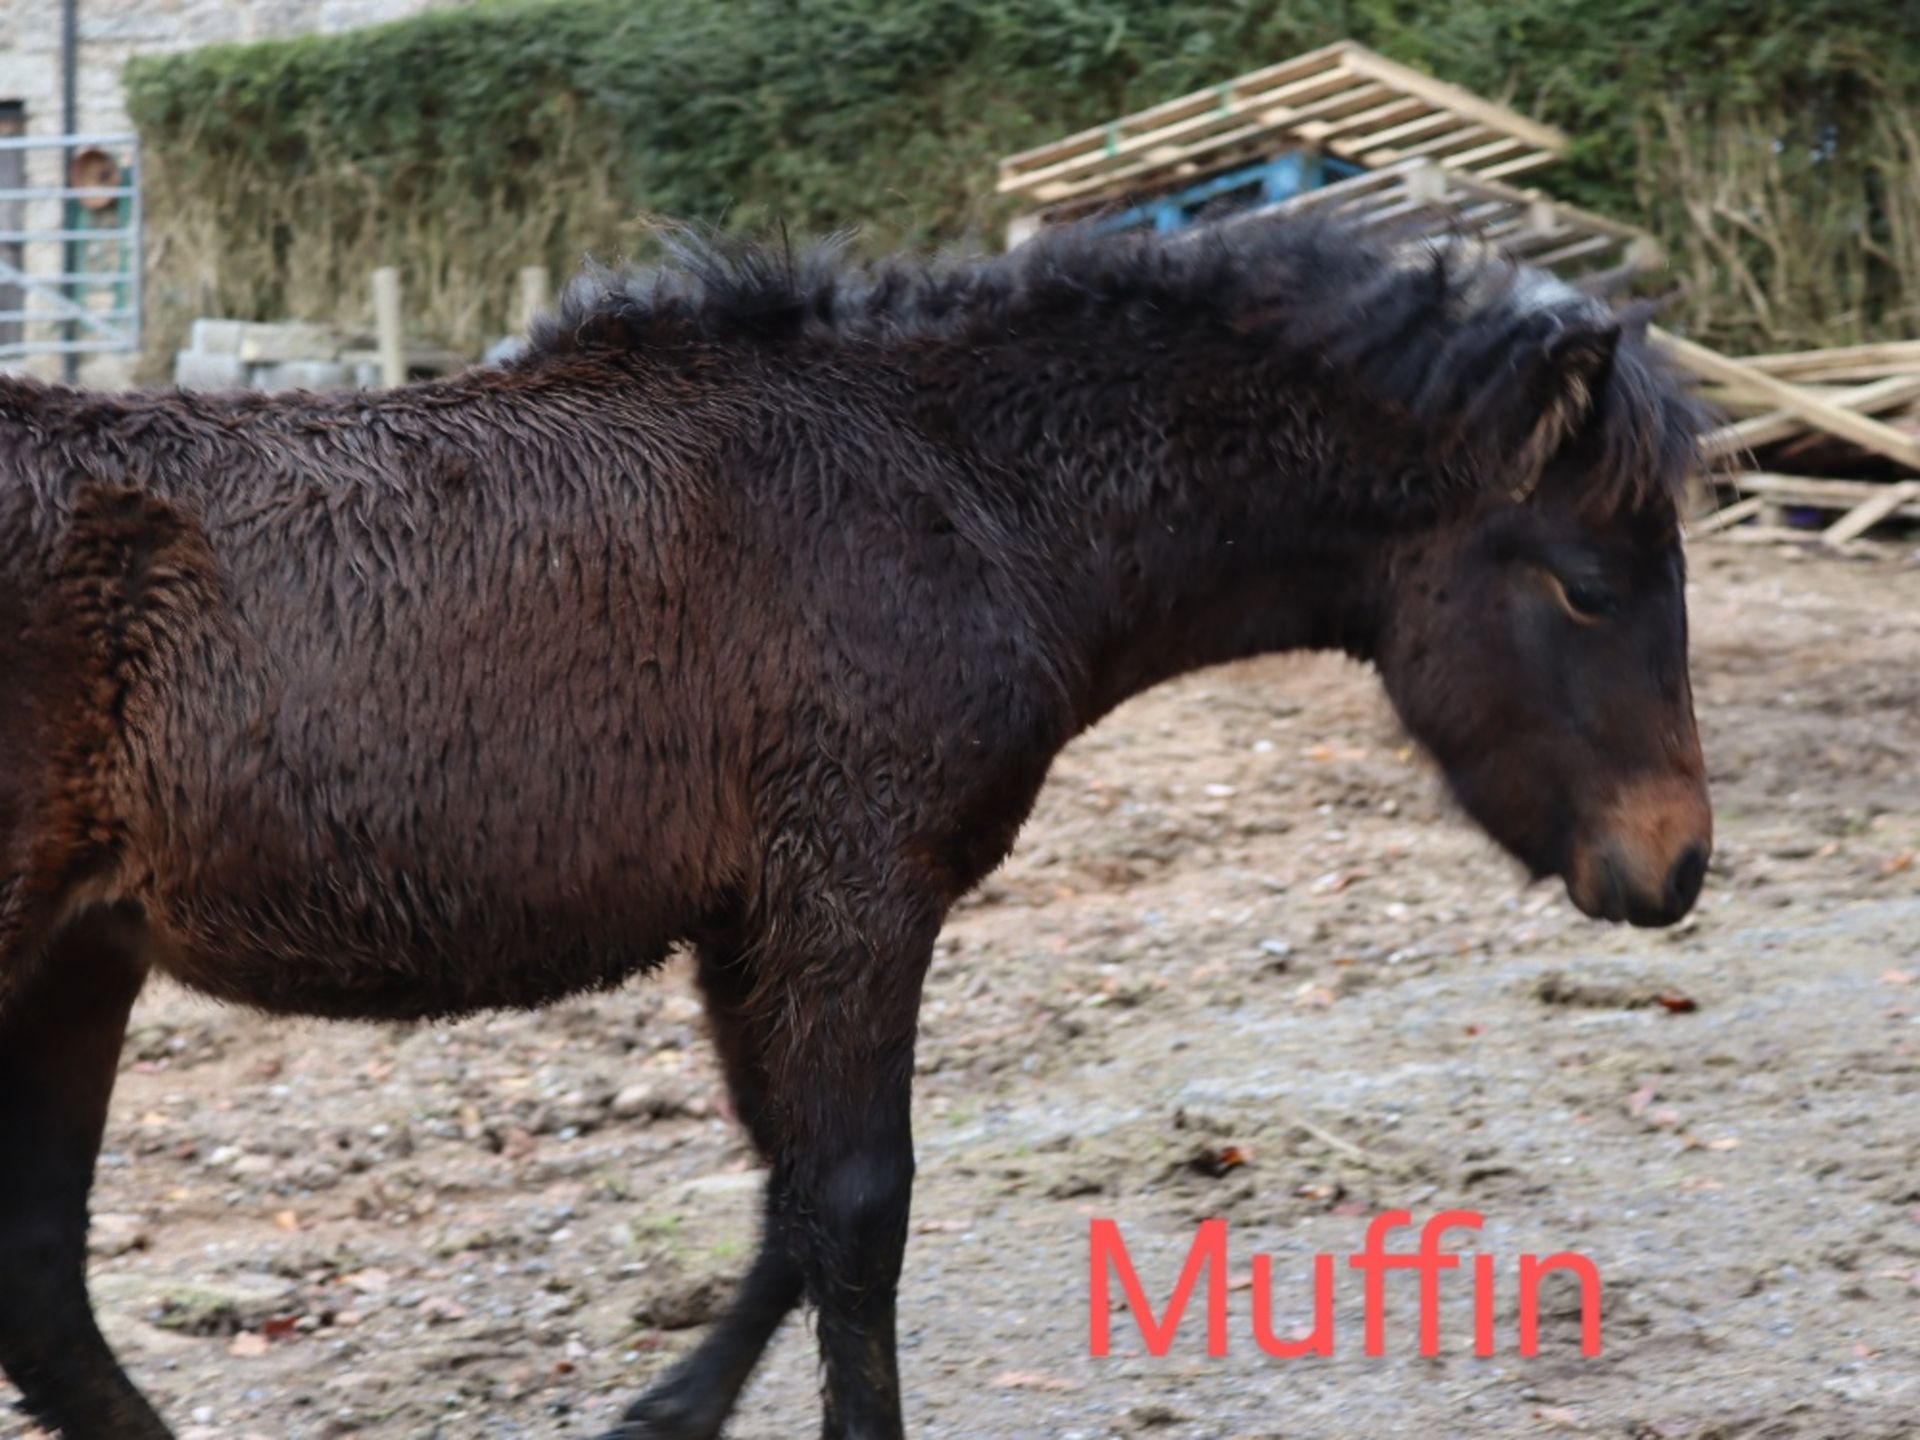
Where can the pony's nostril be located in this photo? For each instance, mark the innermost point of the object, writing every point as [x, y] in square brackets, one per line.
[1684, 880]
[1613, 889]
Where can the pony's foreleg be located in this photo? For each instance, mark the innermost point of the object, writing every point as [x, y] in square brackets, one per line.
[822, 1072]
[841, 1071]
[60, 1037]
[846, 1186]
[692, 1400]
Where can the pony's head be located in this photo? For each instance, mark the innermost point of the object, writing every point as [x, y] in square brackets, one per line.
[1535, 638]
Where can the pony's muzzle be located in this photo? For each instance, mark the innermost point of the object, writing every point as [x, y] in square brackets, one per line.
[1646, 863]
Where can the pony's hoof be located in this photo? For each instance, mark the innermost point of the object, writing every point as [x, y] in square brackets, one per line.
[662, 1419]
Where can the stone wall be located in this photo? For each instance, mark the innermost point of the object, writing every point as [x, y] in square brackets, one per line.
[112, 30]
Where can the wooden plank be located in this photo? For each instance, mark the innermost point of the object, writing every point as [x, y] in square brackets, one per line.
[1844, 374]
[1368, 122]
[1519, 165]
[1818, 492]
[1408, 205]
[1189, 133]
[1869, 513]
[1578, 250]
[1166, 111]
[1357, 189]
[1771, 535]
[1458, 138]
[1795, 364]
[1515, 234]
[1333, 120]
[1867, 433]
[1780, 425]
[1328, 114]
[1727, 516]
[1417, 129]
[1496, 149]
[1452, 97]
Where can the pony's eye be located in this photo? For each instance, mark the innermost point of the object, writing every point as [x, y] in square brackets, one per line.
[1587, 601]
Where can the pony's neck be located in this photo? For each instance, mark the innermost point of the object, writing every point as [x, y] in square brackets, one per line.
[1166, 551]
[1194, 594]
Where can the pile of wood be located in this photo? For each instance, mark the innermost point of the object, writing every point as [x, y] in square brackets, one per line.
[1342, 101]
[1818, 444]
[1535, 228]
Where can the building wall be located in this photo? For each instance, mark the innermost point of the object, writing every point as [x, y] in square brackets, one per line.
[110, 31]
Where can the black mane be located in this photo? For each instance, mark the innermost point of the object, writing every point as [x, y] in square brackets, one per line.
[1431, 329]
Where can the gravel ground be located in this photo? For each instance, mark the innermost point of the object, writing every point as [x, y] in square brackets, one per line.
[1246, 963]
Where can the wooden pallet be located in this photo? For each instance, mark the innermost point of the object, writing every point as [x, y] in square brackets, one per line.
[1343, 100]
[1859, 504]
[1843, 363]
[1795, 408]
[1426, 197]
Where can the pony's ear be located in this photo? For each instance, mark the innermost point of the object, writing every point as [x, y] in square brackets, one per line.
[1570, 372]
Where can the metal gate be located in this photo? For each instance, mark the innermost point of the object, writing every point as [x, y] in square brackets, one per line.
[69, 245]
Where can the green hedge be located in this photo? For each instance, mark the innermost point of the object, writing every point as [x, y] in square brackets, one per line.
[1771, 145]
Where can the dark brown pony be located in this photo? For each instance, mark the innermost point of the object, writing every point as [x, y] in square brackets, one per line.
[746, 612]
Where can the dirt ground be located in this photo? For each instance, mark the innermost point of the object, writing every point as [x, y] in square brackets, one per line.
[1243, 926]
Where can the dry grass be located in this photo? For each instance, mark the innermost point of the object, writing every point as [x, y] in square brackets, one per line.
[1784, 242]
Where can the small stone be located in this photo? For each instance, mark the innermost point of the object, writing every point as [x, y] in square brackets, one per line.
[1153, 1416]
[438, 1310]
[646, 1099]
[113, 1234]
[682, 1303]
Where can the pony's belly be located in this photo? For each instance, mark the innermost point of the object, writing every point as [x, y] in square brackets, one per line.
[394, 967]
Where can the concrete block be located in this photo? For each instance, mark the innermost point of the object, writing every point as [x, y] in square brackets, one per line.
[194, 371]
[218, 337]
[303, 375]
[288, 340]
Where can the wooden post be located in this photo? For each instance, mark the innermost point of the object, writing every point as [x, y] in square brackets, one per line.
[536, 291]
[1864, 516]
[1427, 184]
[1794, 399]
[388, 326]
[1726, 517]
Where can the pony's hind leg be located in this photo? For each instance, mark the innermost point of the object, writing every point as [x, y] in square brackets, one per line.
[839, 1069]
[693, 1399]
[820, 1060]
[60, 1035]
